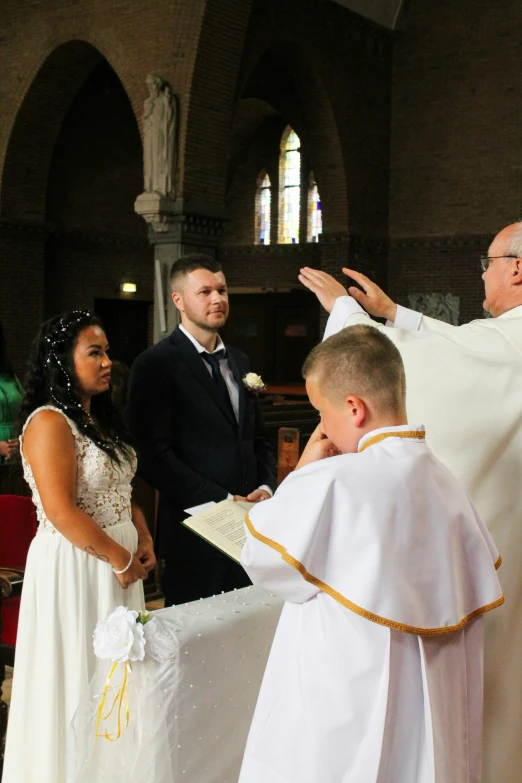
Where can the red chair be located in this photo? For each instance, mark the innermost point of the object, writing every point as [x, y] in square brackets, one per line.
[17, 530]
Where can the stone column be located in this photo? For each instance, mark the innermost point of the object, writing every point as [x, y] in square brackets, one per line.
[175, 229]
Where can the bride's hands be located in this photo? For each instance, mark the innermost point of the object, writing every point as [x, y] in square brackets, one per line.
[135, 572]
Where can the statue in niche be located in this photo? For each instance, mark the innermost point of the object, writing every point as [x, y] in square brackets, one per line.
[443, 307]
[160, 123]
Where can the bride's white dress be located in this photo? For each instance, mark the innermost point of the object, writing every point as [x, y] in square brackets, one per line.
[65, 592]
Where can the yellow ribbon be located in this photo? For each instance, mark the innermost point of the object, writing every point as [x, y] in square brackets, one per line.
[118, 700]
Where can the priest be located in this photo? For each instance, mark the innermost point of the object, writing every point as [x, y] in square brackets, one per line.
[375, 674]
[465, 383]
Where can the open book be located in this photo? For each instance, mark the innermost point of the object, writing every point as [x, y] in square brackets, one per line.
[222, 526]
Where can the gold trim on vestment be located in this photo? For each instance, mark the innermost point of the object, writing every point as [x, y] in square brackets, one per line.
[374, 618]
[498, 563]
[417, 434]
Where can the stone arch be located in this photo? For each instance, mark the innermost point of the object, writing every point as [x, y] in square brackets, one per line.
[24, 176]
[211, 100]
[285, 77]
[45, 254]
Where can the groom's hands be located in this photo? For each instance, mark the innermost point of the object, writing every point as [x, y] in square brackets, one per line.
[255, 497]
[328, 290]
[145, 553]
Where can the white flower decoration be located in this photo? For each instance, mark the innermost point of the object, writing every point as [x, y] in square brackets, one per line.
[120, 637]
[254, 382]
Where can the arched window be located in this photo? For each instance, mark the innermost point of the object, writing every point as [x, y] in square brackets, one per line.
[289, 187]
[315, 216]
[263, 203]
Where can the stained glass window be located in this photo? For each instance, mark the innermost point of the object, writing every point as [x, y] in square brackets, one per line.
[263, 202]
[290, 187]
[315, 216]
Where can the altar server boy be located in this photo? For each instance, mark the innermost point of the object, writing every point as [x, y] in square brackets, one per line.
[375, 673]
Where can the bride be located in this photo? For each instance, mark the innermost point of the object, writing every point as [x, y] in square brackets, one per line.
[92, 542]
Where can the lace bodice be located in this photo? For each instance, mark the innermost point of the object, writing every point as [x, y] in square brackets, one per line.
[103, 488]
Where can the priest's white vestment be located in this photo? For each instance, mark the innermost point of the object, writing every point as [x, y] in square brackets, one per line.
[375, 674]
[465, 384]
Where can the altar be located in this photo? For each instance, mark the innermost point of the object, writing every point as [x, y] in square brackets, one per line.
[224, 643]
[198, 703]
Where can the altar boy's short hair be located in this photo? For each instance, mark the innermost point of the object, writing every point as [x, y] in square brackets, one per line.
[359, 360]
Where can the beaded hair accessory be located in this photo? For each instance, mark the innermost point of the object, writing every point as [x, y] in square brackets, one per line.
[60, 336]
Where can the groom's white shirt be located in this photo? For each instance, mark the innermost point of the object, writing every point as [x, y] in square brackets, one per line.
[228, 376]
[465, 383]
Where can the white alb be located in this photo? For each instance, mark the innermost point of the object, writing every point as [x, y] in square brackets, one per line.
[465, 383]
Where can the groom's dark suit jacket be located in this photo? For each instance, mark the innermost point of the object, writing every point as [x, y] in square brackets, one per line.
[190, 446]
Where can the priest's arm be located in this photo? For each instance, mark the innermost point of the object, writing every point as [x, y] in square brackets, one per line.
[345, 310]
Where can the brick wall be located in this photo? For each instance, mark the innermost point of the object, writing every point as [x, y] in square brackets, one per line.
[91, 240]
[457, 119]
[81, 267]
[98, 241]
[414, 140]
[258, 152]
[21, 288]
[96, 167]
[49, 48]
[448, 265]
[456, 144]
[267, 266]
[67, 193]
[325, 72]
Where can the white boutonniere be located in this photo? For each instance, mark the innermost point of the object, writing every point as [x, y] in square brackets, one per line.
[253, 382]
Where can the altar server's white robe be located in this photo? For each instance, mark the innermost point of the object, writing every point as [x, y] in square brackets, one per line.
[465, 384]
[375, 674]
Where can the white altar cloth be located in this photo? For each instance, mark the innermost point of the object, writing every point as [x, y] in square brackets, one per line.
[224, 643]
[190, 702]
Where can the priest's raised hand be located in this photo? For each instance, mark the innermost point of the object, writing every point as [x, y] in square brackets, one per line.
[328, 290]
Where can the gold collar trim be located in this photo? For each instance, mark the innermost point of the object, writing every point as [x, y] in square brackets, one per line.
[374, 618]
[412, 434]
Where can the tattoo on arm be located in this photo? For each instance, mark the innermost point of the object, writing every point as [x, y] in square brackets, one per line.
[91, 551]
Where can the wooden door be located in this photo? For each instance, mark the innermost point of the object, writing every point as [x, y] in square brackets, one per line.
[297, 332]
[275, 330]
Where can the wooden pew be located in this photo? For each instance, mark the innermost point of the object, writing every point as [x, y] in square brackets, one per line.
[294, 414]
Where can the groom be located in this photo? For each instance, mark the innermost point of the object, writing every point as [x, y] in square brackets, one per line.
[198, 430]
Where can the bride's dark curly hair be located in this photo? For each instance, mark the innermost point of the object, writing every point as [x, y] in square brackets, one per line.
[51, 380]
